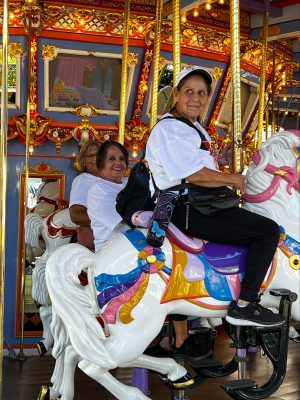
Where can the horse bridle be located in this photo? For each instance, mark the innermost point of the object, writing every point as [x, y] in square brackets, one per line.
[287, 173]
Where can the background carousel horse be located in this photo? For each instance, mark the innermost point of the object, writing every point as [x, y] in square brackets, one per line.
[129, 282]
[55, 230]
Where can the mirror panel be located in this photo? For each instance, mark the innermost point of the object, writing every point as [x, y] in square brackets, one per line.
[39, 176]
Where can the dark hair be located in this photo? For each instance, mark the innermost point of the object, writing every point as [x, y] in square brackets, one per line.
[84, 151]
[196, 72]
[102, 152]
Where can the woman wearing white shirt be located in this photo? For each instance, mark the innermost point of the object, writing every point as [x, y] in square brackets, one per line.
[112, 161]
[176, 151]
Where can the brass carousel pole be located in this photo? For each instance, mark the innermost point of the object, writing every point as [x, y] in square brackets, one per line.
[176, 40]
[3, 167]
[123, 90]
[21, 355]
[236, 83]
[156, 56]
[273, 93]
[262, 82]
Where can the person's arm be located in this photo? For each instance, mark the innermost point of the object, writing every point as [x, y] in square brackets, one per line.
[210, 178]
[79, 215]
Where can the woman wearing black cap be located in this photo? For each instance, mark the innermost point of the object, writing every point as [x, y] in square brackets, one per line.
[176, 151]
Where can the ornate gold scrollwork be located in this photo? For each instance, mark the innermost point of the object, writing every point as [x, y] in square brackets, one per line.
[84, 132]
[38, 128]
[49, 51]
[136, 133]
[43, 168]
[86, 111]
[15, 49]
[132, 59]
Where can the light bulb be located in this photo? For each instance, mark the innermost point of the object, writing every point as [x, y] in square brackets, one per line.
[196, 12]
[207, 6]
[183, 18]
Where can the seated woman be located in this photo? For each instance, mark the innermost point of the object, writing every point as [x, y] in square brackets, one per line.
[78, 196]
[178, 150]
[112, 161]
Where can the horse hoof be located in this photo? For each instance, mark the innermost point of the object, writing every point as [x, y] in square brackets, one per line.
[44, 393]
[41, 349]
[182, 383]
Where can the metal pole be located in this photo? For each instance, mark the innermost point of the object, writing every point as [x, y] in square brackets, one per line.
[176, 40]
[123, 90]
[3, 176]
[236, 82]
[154, 94]
[21, 355]
[262, 82]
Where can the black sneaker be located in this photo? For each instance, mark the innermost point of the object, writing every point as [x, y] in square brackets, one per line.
[198, 346]
[252, 315]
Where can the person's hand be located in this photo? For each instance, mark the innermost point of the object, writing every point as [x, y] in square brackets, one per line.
[239, 182]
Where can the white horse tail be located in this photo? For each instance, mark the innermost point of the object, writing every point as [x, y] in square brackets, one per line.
[33, 225]
[39, 287]
[75, 304]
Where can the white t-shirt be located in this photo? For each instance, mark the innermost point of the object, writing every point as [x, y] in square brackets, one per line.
[101, 207]
[173, 152]
[80, 187]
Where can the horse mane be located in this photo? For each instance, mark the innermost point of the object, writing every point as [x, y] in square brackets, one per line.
[75, 303]
[33, 225]
[277, 151]
[39, 288]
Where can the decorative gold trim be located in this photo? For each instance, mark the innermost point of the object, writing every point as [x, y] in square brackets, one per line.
[184, 384]
[15, 49]
[43, 393]
[86, 111]
[43, 168]
[132, 59]
[49, 51]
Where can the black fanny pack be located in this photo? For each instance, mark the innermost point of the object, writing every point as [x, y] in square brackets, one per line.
[208, 200]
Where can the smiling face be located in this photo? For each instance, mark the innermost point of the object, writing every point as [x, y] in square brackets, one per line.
[191, 98]
[114, 165]
[90, 160]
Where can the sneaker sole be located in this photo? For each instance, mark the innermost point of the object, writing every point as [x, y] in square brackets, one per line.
[242, 322]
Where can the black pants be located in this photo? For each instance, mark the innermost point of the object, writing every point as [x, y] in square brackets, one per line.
[235, 226]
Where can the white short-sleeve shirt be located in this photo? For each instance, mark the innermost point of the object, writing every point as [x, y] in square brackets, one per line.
[80, 187]
[173, 152]
[101, 207]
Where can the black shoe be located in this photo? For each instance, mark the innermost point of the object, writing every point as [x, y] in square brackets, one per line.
[157, 351]
[252, 315]
[198, 346]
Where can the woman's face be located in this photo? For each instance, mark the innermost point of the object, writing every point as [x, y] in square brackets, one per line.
[90, 161]
[192, 97]
[114, 165]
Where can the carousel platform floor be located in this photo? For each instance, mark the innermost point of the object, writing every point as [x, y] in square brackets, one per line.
[22, 381]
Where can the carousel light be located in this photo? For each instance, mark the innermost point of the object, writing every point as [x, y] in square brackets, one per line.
[194, 39]
[208, 6]
[140, 28]
[196, 12]
[30, 149]
[81, 21]
[285, 98]
[221, 1]
[11, 16]
[183, 17]
[134, 154]
[286, 112]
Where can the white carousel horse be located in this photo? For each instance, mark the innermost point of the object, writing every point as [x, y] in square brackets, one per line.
[134, 286]
[55, 231]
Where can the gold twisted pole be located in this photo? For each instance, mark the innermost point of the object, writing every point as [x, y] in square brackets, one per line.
[123, 90]
[262, 82]
[156, 56]
[176, 40]
[236, 83]
[21, 355]
[3, 176]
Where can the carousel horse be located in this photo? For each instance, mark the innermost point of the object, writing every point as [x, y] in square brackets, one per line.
[133, 287]
[44, 235]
